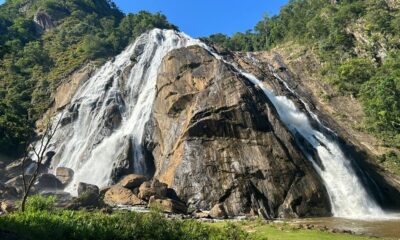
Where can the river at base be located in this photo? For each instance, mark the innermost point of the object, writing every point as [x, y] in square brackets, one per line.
[386, 228]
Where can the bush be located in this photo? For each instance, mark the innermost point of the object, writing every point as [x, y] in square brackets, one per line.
[39, 203]
[353, 73]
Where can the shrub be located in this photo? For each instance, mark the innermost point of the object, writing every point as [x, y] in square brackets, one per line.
[39, 203]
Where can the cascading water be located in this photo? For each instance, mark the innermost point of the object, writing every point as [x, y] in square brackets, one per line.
[86, 145]
[90, 150]
[348, 197]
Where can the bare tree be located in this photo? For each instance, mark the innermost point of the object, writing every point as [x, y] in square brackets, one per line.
[40, 153]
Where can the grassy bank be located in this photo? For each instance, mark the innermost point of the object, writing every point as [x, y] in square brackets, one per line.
[42, 221]
[127, 225]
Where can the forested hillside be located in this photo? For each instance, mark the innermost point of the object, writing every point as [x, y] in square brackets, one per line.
[357, 43]
[44, 41]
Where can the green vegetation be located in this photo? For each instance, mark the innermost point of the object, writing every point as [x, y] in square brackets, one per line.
[357, 43]
[42, 221]
[33, 62]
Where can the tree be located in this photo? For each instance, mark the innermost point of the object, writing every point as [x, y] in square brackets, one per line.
[40, 153]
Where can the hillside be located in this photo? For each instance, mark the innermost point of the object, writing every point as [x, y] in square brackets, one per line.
[347, 53]
[45, 41]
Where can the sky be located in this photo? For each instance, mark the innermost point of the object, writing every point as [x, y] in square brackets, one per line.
[200, 18]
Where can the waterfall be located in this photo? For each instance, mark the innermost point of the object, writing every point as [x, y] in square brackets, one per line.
[88, 147]
[348, 197]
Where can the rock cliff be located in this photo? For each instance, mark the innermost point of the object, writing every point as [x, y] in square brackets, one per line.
[217, 139]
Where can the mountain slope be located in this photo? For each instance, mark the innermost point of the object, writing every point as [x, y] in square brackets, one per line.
[45, 41]
[350, 49]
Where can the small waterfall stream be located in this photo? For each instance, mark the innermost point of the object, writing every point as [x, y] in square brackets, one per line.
[90, 150]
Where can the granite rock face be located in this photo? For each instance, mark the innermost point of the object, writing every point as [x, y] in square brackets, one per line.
[216, 139]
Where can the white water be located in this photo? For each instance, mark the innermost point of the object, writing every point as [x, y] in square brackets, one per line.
[92, 162]
[82, 145]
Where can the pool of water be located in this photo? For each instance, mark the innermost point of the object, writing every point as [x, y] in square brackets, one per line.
[386, 228]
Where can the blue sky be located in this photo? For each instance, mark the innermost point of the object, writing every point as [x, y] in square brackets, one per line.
[204, 17]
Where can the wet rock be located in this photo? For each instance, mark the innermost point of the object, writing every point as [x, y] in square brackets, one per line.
[65, 175]
[118, 195]
[154, 188]
[217, 138]
[218, 211]
[85, 188]
[132, 181]
[48, 182]
[167, 205]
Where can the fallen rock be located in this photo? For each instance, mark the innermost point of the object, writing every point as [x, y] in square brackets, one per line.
[218, 211]
[167, 205]
[48, 182]
[154, 188]
[132, 181]
[118, 195]
[201, 214]
[65, 175]
[86, 188]
[8, 206]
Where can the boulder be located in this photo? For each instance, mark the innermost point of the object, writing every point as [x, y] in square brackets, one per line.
[154, 188]
[48, 182]
[18, 184]
[14, 168]
[201, 214]
[132, 181]
[167, 205]
[86, 188]
[218, 211]
[8, 206]
[65, 175]
[118, 195]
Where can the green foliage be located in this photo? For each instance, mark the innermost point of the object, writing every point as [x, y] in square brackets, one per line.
[39, 203]
[349, 38]
[120, 225]
[381, 98]
[353, 73]
[33, 63]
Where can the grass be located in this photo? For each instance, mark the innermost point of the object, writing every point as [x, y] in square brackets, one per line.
[42, 221]
[259, 230]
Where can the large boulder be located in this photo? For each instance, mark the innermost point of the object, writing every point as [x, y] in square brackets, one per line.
[86, 188]
[167, 205]
[48, 182]
[218, 211]
[118, 195]
[7, 206]
[65, 175]
[153, 188]
[132, 181]
[215, 137]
